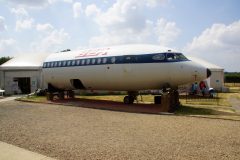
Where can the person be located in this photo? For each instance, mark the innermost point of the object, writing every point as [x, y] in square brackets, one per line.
[202, 87]
[194, 88]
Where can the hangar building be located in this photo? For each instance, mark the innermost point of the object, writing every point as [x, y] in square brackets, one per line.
[216, 80]
[23, 74]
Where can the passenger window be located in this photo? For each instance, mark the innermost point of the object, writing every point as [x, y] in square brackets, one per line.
[93, 61]
[88, 61]
[68, 63]
[78, 62]
[73, 63]
[59, 64]
[104, 60]
[64, 63]
[83, 62]
[99, 60]
[52, 64]
[127, 59]
[113, 59]
[159, 57]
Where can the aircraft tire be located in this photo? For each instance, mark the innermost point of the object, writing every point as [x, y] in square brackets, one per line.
[49, 96]
[128, 100]
[61, 95]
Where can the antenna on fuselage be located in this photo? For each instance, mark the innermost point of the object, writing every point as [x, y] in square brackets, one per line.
[66, 50]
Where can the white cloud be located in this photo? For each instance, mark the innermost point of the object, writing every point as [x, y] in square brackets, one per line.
[5, 43]
[220, 44]
[68, 1]
[166, 31]
[44, 27]
[125, 22]
[30, 3]
[50, 40]
[19, 12]
[3, 27]
[92, 10]
[23, 21]
[56, 37]
[36, 3]
[77, 9]
[24, 24]
[154, 3]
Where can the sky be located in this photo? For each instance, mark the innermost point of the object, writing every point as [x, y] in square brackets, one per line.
[200, 28]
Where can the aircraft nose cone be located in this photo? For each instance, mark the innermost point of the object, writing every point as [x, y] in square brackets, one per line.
[208, 73]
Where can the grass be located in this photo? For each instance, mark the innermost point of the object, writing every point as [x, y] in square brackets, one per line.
[33, 99]
[191, 110]
[234, 87]
[220, 100]
[115, 98]
[207, 112]
[204, 107]
[118, 98]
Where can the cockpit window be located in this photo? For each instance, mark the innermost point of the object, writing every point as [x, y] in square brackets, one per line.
[181, 57]
[176, 57]
[159, 57]
[171, 57]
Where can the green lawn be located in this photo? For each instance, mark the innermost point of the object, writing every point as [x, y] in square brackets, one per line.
[33, 99]
[190, 107]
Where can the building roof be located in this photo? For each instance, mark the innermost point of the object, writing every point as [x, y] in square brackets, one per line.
[209, 65]
[24, 61]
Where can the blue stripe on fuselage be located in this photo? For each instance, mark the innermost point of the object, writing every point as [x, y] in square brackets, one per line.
[124, 59]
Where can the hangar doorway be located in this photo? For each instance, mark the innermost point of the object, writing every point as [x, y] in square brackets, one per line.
[23, 83]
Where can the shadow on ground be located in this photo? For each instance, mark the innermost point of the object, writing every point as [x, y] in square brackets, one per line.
[189, 110]
[112, 105]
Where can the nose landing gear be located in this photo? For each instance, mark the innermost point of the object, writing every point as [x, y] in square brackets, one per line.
[168, 100]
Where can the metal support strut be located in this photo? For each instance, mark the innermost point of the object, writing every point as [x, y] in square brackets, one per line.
[129, 99]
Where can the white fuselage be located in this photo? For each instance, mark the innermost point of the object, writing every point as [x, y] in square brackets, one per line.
[112, 69]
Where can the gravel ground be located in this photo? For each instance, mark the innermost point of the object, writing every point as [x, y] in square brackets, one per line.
[66, 132]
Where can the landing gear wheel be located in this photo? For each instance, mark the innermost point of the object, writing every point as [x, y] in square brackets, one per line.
[128, 100]
[61, 95]
[71, 94]
[49, 96]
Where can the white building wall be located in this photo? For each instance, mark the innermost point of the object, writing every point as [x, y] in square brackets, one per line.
[1, 80]
[217, 80]
[35, 79]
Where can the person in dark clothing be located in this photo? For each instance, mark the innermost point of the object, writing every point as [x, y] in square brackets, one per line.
[202, 87]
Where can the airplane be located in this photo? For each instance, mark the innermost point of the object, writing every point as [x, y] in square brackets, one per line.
[130, 68]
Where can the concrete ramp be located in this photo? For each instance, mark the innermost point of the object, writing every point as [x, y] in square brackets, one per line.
[11, 152]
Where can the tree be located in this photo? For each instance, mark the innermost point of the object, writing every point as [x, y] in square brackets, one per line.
[232, 77]
[4, 59]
